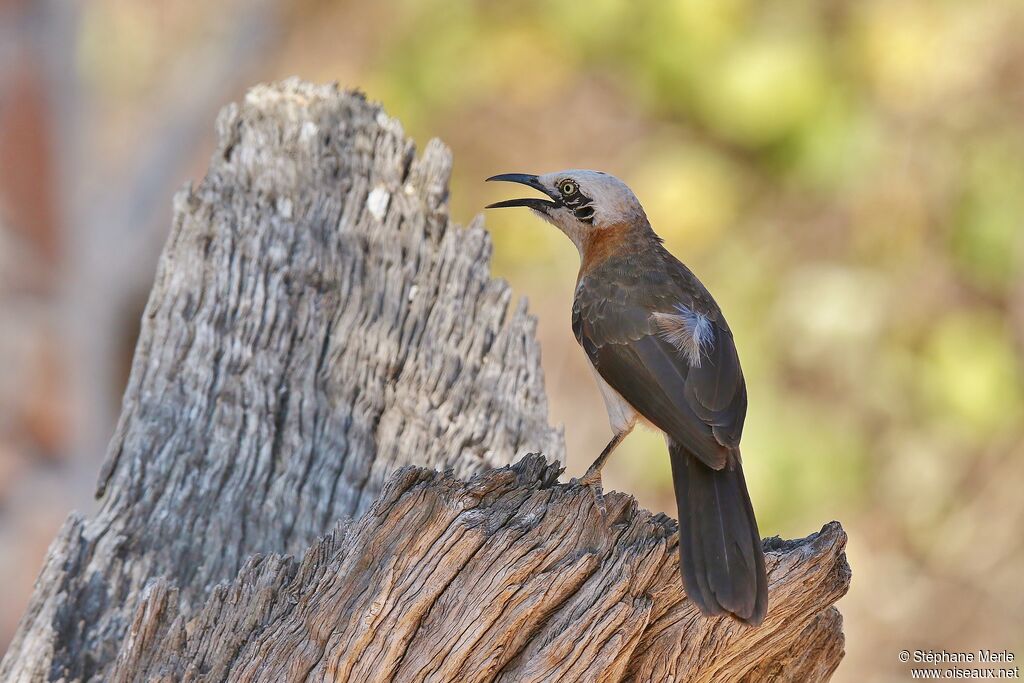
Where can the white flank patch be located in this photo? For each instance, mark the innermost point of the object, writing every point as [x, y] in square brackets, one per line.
[688, 331]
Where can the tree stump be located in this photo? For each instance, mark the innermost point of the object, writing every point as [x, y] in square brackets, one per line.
[318, 339]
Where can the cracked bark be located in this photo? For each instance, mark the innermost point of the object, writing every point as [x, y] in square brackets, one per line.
[317, 327]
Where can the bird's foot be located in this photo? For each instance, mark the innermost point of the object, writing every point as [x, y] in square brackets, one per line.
[592, 480]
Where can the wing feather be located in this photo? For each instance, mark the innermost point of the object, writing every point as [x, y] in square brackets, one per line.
[702, 404]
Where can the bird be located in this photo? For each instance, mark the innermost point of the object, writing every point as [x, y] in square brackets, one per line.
[663, 355]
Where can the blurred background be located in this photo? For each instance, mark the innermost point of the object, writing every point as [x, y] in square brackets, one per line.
[846, 176]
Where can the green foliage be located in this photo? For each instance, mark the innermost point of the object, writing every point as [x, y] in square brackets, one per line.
[970, 374]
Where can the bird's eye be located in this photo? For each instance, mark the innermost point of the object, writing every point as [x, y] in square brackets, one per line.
[567, 188]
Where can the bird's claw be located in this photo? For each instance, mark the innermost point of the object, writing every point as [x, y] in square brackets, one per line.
[592, 480]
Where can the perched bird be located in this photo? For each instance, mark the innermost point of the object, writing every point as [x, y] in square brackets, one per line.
[662, 353]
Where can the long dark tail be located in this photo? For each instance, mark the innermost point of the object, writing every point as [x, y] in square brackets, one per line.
[720, 551]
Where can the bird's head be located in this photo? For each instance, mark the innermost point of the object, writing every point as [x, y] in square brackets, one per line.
[579, 202]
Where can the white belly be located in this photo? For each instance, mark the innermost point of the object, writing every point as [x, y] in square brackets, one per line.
[621, 415]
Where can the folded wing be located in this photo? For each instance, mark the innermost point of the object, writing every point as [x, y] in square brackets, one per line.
[691, 389]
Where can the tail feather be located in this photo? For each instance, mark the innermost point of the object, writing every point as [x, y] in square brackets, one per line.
[720, 554]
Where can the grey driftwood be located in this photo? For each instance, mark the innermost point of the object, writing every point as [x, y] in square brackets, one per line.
[320, 340]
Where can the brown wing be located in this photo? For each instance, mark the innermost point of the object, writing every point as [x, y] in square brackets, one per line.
[701, 406]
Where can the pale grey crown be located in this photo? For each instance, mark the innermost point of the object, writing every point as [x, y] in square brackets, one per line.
[600, 200]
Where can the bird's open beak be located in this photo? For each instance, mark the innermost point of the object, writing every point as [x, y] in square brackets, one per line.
[534, 203]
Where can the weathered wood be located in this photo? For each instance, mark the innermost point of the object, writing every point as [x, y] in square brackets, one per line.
[316, 323]
[510, 577]
[316, 326]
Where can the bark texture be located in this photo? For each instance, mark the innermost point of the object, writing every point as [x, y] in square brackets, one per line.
[317, 325]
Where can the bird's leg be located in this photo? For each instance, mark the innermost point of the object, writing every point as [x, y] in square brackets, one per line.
[593, 474]
[592, 477]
